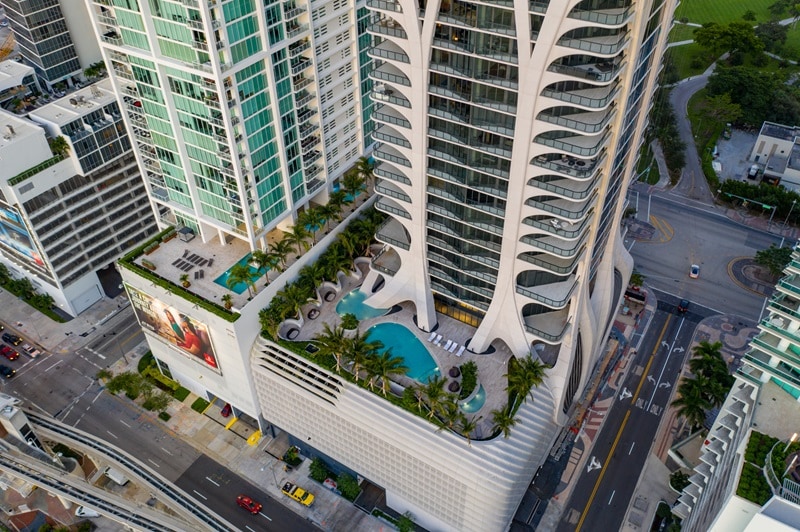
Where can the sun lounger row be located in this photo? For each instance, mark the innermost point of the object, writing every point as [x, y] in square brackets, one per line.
[450, 346]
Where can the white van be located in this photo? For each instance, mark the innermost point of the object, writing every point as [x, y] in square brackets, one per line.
[116, 475]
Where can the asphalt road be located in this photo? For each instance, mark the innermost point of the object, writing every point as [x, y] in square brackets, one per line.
[606, 484]
[693, 183]
[218, 488]
[697, 235]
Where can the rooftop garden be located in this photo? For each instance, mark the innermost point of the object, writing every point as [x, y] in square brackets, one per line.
[753, 485]
[343, 349]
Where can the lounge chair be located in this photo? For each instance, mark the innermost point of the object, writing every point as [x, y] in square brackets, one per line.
[438, 340]
[432, 336]
[210, 262]
[453, 347]
[448, 344]
[460, 350]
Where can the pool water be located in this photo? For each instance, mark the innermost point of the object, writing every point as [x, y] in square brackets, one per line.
[239, 287]
[405, 345]
[474, 404]
[353, 303]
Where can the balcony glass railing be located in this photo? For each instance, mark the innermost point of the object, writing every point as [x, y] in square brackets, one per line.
[382, 135]
[607, 17]
[563, 143]
[388, 27]
[560, 211]
[584, 100]
[545, 335]
[495, 229]
[556, 230]
[392, 55]
[589, 125]
[580, 191]
[391, 158]
[381, 171]
[384, 190]
[579, 169]
[547, 262]
[610, 45]
[379, 115]
[384, 5]
[388, 208]
[600, 72]
[559, 303]
[561, 251]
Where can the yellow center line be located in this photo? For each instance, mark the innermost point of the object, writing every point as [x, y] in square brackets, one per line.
[621, 428]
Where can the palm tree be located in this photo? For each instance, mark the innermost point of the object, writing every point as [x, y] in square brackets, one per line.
[691, 404]
[468, 426]
[365, 170]
[450, 413]
[297, 237]
[184, 278]
[265, 261]
[281, 250]
[352, 184]
[434, 393]
[523, 374]
[269, 319]
[382, 366]
[312, 220]
[359, 350]
[503, 421]
[331, 341]
[294, 296]
[227, 300]
[338, 199]
[240, 273]
[59, 146]
[329, 212]
[350, 242]
[335, 261]
[311, 275]
[5, 276]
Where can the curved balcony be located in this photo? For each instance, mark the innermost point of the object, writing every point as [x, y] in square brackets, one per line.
[389, 154]
[388, 27]
[461, 280]
[387, 115]
[578, 93]
[489, 261]
[557, 227]
[385, 170]
[388, 50]
[545, 323]
[387, 134]
[389, 207]
[580, 145]
[472, 217]
[564, 187]
[447, 113]
[554, 295]
[387, 261]
[488, 245]
[383, 71]
[595, 40]
[465, 177]
[597, 70]
[387, 95]
[607, 13]
[550, 263]
[474, 142]
[472, 270]
[385, 188]
[393, 233]
[554, 245]
[569, 210]
[576, 119]
[384, 5]
[448, 195]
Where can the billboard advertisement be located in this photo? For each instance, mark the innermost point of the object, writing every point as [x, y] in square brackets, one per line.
[14, 234]
[189, 335]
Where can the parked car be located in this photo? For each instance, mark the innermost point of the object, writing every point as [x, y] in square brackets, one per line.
[683, 306]
[12, 339]
[248, 504]
[694, 272]
[83, 511]
[8, 352]
[31, 351]
[226, 410]
[6, 372]
[297, 493]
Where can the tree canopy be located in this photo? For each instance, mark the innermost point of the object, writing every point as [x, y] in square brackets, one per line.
[774, 258]
[762, 96]
[720, 38]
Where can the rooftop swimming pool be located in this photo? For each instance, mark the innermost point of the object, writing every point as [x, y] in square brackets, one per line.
[404, 344]
[474, 404]
[239, 287]
[353, 303]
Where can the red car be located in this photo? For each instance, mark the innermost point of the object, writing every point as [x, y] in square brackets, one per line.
[9, 353]
[248, 504]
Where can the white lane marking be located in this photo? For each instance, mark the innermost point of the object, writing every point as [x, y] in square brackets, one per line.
[629, 452]
[166, 451]
[208, 479]
[115, 436]
[612, 496]
[201, 495]
[154, 463]
[248, 528]
[96, 397]
[262, 514]
[124, 423]
[51, 367]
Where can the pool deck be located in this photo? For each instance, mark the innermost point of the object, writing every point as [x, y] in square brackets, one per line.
[491, 368]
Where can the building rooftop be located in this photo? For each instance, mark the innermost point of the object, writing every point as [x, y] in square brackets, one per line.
[777, 515]
[14, 129]
[13, 73]
[777, 413]
[77, 104]
[779, 131]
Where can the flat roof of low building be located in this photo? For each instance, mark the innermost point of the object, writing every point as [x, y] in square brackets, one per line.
[76, 104]
[13, 73]
[779, 131]
[13, 128]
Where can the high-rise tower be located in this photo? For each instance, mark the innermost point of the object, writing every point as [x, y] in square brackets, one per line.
[508, 132]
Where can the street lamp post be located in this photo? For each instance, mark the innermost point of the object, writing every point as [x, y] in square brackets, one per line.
[786, 221]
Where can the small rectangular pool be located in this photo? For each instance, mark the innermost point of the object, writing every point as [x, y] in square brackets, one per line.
[239, 287]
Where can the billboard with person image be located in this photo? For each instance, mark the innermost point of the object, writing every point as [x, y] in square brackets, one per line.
[189, 335]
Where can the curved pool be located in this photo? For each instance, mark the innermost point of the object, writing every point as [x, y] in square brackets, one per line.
[474, 404]
[353, 303]
[404, 344]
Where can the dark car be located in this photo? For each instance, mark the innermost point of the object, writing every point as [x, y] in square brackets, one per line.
[248, 504]
[683, 306]
[6, 372]
[12, 339]
[226, 410]
[8, 352]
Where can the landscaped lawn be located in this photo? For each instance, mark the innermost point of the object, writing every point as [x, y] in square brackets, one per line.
[791, 49]
[722, 11]
[683, 57]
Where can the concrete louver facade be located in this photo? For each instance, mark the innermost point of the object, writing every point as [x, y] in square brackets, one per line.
[507, 135]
